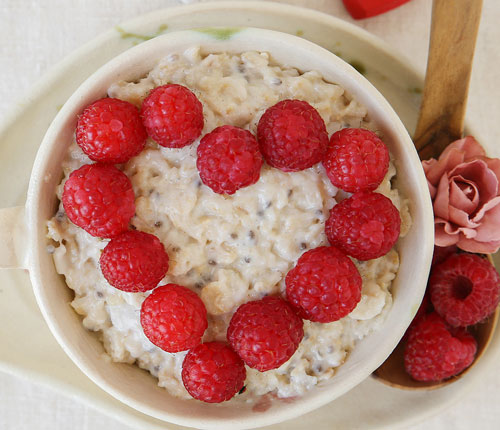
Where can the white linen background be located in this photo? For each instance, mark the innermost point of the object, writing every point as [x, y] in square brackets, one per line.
[34, 35]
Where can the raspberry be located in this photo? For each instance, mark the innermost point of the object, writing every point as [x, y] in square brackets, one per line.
[424, 309]
[265, 333]
[172, 115]
[173, 318]
[213, 372]
[356, 160]
[99, 198]
[441, 253]
[435, 351]
[134, 261]
[292, 136]
[324, 286]
[465, 289]
[110, 131]
[229, 159]
[364, 226]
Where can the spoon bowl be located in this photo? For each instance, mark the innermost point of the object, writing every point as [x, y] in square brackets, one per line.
[454, 30]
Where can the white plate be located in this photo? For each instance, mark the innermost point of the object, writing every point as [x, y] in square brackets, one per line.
[40, 358]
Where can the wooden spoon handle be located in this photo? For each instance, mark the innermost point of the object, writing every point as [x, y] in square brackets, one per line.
[453, 37]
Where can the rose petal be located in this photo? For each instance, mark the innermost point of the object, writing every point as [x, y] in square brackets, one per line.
[484, 209]
[468, 145]
[464, 195]
[442, 238]
[489, 229]
[494, 165]
[461, 219]
[472, 245]
[451, 228]
[441, 201]
[432, 190]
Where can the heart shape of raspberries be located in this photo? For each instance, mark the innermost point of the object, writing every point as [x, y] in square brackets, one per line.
[324, 286]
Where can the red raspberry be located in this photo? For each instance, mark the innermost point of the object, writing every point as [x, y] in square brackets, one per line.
[364, 226]
[134, 261]
[173, 318]
[265, 333]
[292, 136]
[110, 131]
[172, 115]
[213, 372]
[99, 198]
[465, 289]
[324, 286]
[441, 253]
[229, 159]
[424, 309]
[435, 351]
[356, 160]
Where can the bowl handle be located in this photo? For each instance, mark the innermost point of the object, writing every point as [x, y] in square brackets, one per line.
[13, 238]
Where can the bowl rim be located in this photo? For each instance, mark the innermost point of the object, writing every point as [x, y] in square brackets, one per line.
[37, 241]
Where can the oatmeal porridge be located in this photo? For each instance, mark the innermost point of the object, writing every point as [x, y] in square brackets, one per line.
[229, 249]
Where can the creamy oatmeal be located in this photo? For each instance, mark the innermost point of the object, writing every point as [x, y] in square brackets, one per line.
[228, 249]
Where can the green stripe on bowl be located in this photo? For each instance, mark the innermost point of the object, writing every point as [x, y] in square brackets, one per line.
[220, 33]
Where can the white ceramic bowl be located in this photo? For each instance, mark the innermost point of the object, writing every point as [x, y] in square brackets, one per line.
[137, 388]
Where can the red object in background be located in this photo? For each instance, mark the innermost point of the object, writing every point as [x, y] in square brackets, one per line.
[360, 9]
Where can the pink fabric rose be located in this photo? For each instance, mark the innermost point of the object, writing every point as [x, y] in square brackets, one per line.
[464, 186]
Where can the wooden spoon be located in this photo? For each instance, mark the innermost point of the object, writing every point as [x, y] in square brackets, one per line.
[441, 121]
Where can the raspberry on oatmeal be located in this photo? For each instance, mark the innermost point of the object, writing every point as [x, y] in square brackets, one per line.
[110, 131]
[292, 135]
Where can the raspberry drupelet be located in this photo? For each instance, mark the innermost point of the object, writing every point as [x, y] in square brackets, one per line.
[464, 289]
[172, 115]
[228, 159]
[435, 351]
[99, 198]
[173, 318]
[364, 226]
[134, 261]
[324, 286]
[356, 160]
[110, 131]
[213, 372]
[292, 136]
[265, 333]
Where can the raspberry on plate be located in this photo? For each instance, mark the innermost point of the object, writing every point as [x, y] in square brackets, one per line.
[99, 198]
[465, 289]
[110, 131]
[229, 159]
[134, 261]
[173, 318]
[324, 286]
[213, 372]
[292, 136]
[364, 226]
[172, 115]
[435, 351]
[356, 160]
[265, 333]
